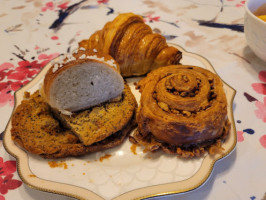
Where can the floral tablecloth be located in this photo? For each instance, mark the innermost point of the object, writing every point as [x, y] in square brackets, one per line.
[32, 32]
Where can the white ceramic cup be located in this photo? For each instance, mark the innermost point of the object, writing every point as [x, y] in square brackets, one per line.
[255, 28]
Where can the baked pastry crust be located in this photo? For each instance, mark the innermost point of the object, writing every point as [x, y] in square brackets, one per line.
[133, 45]
[35, 128]
[181, 108]
[97, 123]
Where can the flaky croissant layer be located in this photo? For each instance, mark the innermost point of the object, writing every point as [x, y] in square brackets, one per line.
[133, 45]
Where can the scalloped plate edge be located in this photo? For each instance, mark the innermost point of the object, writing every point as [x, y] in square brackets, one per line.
[187, 185]
[208, 163]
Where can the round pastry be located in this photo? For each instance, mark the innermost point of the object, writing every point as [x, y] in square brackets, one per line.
[35, 128]
[84, 106]
[133, 45]
[183, 110]
[77, 83]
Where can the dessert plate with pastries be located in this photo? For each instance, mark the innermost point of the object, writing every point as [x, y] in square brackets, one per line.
[124, 116]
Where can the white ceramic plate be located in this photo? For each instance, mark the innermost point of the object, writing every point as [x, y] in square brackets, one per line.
[124, 175]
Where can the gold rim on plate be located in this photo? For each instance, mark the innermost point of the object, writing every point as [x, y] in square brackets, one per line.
[195, 181]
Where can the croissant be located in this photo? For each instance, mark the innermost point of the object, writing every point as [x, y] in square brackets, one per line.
[133, 45]
[183, 110]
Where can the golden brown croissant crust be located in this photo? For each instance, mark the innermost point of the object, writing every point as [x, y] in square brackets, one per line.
[133, 45]
[181, 106]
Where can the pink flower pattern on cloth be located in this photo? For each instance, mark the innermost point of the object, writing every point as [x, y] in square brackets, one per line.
[260, 112]
[14, 77]
[7, 182]
[260, 88]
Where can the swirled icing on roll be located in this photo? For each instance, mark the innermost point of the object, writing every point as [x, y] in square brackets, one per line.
[183, 110]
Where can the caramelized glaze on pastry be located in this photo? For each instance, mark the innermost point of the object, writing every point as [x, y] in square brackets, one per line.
[181, 107]
[133, 45]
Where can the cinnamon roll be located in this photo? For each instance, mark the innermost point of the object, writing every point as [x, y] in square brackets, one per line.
[183, 110]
